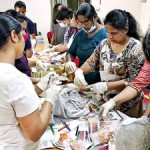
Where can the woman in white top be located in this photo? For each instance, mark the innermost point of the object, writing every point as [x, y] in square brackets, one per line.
[22, 120]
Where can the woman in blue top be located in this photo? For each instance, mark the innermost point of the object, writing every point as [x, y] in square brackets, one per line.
[86, 39]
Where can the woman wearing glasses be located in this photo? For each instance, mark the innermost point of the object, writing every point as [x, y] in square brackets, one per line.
[119, 58]
[86, 39]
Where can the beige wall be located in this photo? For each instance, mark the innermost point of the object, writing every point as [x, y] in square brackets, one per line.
[145, 16]
[37, 10]
[138, 8]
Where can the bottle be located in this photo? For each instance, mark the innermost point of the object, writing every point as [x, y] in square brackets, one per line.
[39, 38]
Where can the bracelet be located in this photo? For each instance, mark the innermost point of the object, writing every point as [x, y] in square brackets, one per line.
[126, 83]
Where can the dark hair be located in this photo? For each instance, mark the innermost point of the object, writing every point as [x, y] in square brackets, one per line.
[55, 9]
[1, 12]
[7, 24]
[86, 10]
[65, 12]
[120, 19]
[20, 4]
[146, 45]
[16, 15]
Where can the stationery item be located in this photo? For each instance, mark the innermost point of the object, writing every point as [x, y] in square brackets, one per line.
[61, 128]
[52, 129]
[82, 135]
[51, 81]
[73, 124]
[57, 144]
[93, 124]
[47, 137]
[100, 137]
[105, 147]
[78, 145]
[65, 140]
[77, 130]
[119, 115]
[48, 82]
[115, 115]
[65, 124]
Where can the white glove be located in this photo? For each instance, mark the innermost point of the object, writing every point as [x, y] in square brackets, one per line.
[98, 88]
[45, 81]
[51, 49]
[52, 94]
[71, 66]
[79, 78]
[43, 66]
[46, 50]
[97, 97]
[105, 108]
[143, 120]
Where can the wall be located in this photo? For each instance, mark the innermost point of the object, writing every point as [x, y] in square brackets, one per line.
[133, 6]
[37, 10]
[145, 16]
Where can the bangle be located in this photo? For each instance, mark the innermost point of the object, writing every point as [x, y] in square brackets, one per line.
[126, 83]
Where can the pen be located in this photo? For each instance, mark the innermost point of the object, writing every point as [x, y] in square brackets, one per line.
[77, 130]
[66, 126]
[118, 115]
[48, 82]
[52, 129]
[61, 128]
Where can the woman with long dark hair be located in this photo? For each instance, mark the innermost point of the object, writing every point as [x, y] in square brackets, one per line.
[119, 59]
[85, 41]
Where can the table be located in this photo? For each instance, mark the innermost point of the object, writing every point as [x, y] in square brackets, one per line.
[52, 149]
[40, 47]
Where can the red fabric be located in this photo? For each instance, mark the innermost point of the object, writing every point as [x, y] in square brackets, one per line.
[49, 36]
[146, 97]
[25, 36]
[143, 78]
[77, 61]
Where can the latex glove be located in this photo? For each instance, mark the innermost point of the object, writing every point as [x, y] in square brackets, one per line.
[51, 49]
[52, 94]
[79, 78]
[43, 84]
[43, 66]
[97, 97]
[105, 108]
[71, 66]
[142, 120]
[98, 88]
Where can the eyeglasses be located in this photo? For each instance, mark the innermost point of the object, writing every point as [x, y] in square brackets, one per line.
[112, 33]
[83, 22]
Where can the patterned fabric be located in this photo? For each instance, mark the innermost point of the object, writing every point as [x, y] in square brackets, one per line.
[70, 31]
[117, 66]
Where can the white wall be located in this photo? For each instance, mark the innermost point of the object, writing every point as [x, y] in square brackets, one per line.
[145, 16]
[37, 10]
[132, 6]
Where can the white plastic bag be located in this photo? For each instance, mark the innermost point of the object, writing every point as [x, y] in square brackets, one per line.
[133, 136]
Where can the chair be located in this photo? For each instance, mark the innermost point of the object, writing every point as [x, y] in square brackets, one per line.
[49, 36]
